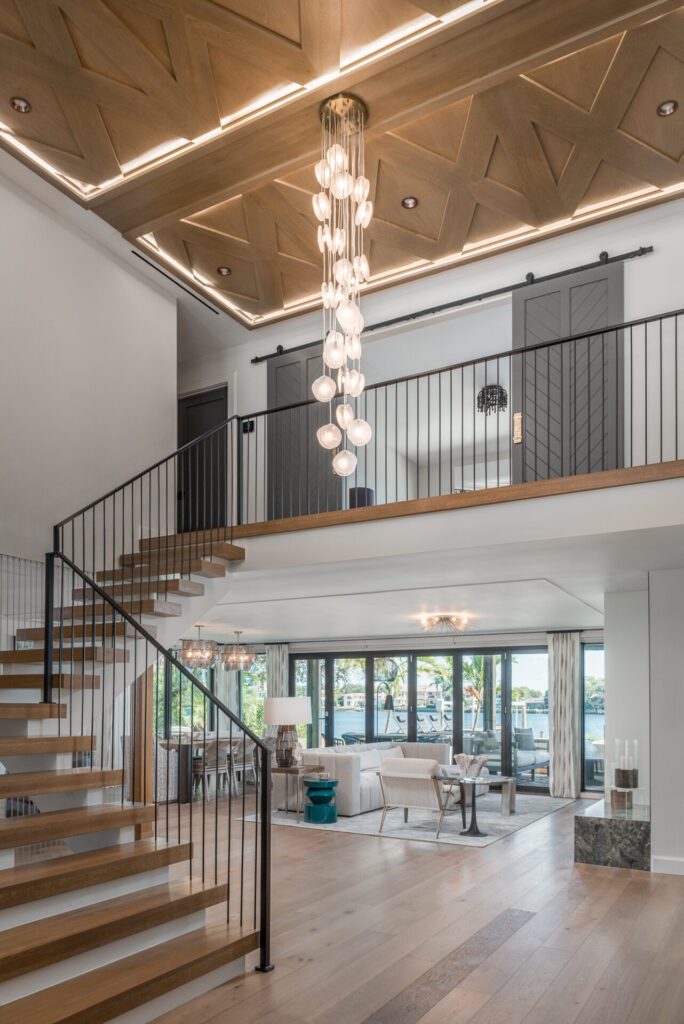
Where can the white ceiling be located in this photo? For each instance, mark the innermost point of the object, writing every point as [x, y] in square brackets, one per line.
[505, 588]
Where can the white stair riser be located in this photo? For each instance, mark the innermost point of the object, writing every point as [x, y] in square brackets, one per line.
[37, 910]
[151, 1011]
[74, 966]
[96, 840]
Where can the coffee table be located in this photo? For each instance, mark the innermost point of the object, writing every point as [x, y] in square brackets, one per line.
[507, 784]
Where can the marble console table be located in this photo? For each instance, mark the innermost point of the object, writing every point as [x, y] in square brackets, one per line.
[614, 839]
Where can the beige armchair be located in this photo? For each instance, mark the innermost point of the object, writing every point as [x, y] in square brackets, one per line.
[413, 782]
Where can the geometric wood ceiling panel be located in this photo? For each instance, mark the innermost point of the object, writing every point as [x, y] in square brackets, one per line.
[191, 125]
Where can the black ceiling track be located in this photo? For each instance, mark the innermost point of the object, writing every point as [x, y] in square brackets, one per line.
[530, 278]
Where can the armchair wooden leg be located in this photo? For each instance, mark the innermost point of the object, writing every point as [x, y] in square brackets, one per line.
[382, 822]
[439, 823]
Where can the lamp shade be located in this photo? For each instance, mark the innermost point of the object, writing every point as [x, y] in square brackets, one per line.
[287, 711]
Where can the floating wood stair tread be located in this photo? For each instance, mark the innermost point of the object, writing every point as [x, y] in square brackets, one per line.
[78, 630]
[81, 870]
[61, 681]
[151, 606]
[183, 552]
[75, 821]
[111, 991]
[14, 746]
[149, 568]
[12, 712]
[67, 654]
[29, 947]
[154, 587]
[64, 780]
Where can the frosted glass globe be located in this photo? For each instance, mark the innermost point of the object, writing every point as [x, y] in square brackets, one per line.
[349, 317]
[361, 189]
[344, 463]
[359, 432]
[322, 172]
[344, 415]
[323, 388]
[361, 267]
[355, 384]
[329, 436]
[341, 185]
[352, 344]
[337, 158]
[321, 205]
[364, 213]
[324, 237]
[342, 271]
[334, 353]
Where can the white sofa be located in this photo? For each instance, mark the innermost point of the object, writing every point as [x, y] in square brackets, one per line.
[357, 770]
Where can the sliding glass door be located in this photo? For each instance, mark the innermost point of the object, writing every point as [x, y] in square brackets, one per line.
[530, 717]
[483, 725]
[390, 698]
[485, 702]
[594, 716]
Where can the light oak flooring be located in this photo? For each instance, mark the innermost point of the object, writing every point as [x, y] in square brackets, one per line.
[390, 932]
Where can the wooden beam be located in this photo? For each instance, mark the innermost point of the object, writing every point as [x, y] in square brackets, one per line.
[485, 49]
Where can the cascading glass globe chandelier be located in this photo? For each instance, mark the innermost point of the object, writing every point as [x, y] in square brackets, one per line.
[344, 211]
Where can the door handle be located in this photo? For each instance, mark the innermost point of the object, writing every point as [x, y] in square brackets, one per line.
[517, 427]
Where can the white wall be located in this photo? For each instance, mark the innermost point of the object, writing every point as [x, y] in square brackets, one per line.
[653, 284]
[87, 371]
[666, 615]
[625, 634]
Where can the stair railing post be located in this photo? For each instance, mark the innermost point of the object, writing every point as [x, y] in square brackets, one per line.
[49, 626]
[265, 964]
[238, 472]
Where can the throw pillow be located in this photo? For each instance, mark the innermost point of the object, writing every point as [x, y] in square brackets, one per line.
[386, 752]
[524, 739]
[370, 759]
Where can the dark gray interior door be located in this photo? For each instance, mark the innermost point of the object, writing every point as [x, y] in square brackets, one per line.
[201, 470]
[300, 476]
[570, 394]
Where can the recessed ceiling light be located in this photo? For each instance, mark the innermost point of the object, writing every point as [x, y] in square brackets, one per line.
[409, 202]
[20, 105]
[667, 107]
[224, 271]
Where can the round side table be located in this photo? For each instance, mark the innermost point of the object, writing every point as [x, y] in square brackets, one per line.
[320, 806]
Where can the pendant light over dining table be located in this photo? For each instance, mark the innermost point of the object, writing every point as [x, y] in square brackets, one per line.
[344, 211]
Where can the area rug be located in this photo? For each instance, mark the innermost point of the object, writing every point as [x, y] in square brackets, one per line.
[421, 825]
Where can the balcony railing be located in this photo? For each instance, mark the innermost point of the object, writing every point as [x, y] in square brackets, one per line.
[602, 400]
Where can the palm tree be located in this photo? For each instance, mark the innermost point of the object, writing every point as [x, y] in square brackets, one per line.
[473, 683]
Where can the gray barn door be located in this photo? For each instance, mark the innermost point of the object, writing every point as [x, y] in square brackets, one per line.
[301, 481]
[569, 395]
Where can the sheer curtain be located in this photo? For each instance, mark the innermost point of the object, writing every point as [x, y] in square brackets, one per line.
[277, 675]
[564, 714]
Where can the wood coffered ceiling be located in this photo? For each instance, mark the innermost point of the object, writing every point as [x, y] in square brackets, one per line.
[192, 125]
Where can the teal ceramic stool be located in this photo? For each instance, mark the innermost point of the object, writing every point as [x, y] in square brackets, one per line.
[320, 807]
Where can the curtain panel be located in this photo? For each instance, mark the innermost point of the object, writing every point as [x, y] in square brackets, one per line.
[277, 675]
[565, 714]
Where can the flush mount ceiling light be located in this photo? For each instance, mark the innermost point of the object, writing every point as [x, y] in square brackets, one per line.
[236, 657]
[492, 398]
[667, 107]
[20, 105]
[344, 211]
[199, 653]
[409, 202]
[224, 271]
[444, 622]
